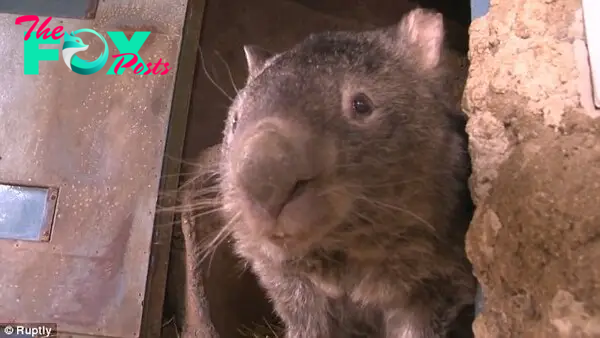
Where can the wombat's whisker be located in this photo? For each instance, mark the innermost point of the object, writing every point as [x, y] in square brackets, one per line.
[356, 216]
[182, 161]
[178, 175]
[398, 208]
[171, 195]
[209, 174]
[201, 169]
[228, 71]
[192, 207]
[210, 77]
[204, 188]
[221, 236]
[386, 184]
[363, 217]
[173, 204]
[201, 189]
[204, 170]
[206, 195]
[197, 206]
[244, 267]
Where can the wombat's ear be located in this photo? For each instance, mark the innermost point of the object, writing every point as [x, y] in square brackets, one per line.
[423, 31]
[256, 57]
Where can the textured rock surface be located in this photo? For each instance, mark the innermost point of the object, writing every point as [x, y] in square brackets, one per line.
[535, 239]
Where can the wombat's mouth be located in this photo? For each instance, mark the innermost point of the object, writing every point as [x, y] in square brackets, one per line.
[296, 192]
[298, 189]
[310, 210]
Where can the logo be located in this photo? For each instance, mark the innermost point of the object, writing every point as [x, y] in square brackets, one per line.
[33, 330]
[9, 330]
[73, 43]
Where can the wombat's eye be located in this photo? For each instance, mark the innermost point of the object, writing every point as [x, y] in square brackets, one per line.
[362, 105]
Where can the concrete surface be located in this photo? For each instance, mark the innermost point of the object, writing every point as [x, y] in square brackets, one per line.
[100, 139]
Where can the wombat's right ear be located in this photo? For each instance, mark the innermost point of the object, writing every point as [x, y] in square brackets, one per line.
[256, 57]
[422, 32]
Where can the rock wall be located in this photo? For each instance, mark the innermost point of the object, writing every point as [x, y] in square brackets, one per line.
[535, 143]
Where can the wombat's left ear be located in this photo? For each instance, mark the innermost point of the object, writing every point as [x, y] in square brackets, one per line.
[256, 57]
[422, 32]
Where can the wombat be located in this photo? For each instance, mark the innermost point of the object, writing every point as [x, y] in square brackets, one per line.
[343, 181]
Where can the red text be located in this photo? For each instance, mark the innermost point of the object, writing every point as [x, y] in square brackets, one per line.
[43, 30]
[140, 67]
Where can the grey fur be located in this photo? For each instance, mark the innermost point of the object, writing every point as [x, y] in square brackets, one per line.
[374, 246]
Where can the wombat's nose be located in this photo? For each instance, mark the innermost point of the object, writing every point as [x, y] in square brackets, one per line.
[270, 170]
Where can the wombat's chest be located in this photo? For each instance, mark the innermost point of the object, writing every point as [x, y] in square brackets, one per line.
[354, 320]
[361, 280]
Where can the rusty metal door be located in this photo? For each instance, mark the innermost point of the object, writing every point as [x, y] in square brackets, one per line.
[81, 161]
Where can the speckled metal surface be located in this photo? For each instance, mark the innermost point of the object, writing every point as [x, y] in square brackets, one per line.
[85, 9]
[100, 140]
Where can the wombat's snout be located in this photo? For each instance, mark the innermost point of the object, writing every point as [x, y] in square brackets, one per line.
[272, 166]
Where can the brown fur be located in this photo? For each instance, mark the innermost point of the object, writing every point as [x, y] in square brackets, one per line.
[372, 245]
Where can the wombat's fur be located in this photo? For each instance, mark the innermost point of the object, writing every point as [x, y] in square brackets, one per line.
[353, 218]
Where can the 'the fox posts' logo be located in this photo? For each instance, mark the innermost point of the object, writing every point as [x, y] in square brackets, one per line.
[128, 56]
[74, 44]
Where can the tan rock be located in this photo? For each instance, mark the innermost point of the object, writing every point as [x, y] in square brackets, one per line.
[535, 238]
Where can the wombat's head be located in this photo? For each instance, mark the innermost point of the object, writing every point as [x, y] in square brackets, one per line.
[339, 122]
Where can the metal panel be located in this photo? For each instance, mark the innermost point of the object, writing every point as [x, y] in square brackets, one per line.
[76, 9]
[100, 140]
